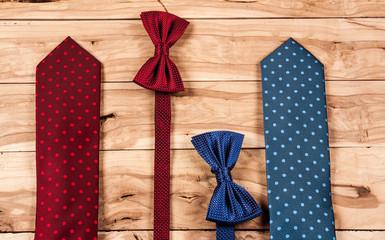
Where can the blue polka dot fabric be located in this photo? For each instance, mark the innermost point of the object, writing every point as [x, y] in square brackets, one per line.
[296, 138]
[230, 204]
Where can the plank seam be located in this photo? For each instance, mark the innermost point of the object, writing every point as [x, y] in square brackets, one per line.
[209, 230]
[193, 18]
[183, 149]
[221, 81]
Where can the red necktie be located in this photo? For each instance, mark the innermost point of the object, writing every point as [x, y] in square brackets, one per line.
[160, 74]
[67, 144]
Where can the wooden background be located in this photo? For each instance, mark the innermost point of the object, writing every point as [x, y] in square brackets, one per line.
[218, 58]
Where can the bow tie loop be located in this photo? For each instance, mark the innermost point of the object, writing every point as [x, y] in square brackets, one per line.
[161, 49]
[223, 175]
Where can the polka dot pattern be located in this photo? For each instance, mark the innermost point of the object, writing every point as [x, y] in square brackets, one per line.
[230, 204]
[297, 152]
[67, 144]
[160, 74]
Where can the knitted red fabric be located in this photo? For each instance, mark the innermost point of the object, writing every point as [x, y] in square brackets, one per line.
[160, 74]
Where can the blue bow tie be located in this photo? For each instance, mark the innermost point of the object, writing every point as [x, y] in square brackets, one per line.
[230, 204]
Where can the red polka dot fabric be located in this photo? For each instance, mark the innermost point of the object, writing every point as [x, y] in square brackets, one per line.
[67, 144]
[160, 74]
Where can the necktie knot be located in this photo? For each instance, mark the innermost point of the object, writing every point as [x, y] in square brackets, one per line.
[223, 175]
[161, 49]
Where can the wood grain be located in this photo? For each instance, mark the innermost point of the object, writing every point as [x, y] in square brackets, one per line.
[118, 9]
[202, 235]
[351, 49]
[218, 58]
[126, 192]
[354, 114]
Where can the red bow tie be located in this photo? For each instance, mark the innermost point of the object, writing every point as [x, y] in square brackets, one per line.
[160, 74]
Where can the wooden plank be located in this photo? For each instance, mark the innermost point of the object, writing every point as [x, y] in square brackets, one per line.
[118, 9]
[355, 116]
[126, 193]
[354, 119]
[203, 235]
[351, 49]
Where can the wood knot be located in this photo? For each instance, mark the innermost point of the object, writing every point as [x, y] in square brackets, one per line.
[363, 191]
[105, 117]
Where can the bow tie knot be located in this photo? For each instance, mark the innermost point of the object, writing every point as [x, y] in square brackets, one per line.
[161, 49]
[223, 175]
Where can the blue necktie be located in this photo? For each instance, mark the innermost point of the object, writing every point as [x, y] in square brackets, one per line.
[296, 138]
[230, 204]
